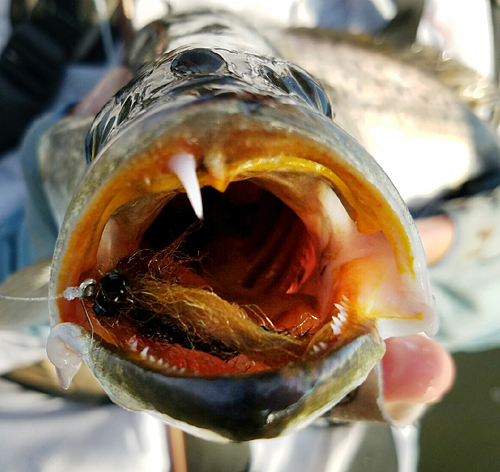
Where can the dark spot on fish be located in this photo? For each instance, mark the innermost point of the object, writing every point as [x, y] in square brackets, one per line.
[313, 91]
[96, 137]
[274, 79]
[305, 82]
[197, 61]
[125, 110]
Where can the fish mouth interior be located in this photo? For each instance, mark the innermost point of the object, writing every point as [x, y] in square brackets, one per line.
[244, 268]
[259, 283]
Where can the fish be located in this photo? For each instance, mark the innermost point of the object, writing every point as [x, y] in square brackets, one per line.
[230, 259]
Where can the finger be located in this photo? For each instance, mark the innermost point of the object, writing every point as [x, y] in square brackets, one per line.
[416, 369]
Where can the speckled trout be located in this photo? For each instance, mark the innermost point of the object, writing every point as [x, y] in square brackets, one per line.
[231, 259]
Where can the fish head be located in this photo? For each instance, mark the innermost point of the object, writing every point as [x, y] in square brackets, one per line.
[245, 262]
[238, 258]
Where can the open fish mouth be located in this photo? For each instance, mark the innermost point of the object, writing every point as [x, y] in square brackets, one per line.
[302, 260]
[249, 288]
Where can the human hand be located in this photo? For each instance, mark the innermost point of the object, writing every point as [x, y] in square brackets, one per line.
[416, 369]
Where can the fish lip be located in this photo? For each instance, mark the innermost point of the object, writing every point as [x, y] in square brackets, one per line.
[237, 407]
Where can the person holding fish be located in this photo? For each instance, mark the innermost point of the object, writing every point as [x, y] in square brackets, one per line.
[232, 260]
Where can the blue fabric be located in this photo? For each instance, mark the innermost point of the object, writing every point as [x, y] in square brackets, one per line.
[358, 15]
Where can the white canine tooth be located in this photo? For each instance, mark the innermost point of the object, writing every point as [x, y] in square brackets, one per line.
[152, 358]
[316, 348]
[173, 368]
[323, 345]
[342, 315]
[183, 165]
[335, 328]
[337, 322]
[182, 370]
[144, 352]
[160, 361]
[134, 346]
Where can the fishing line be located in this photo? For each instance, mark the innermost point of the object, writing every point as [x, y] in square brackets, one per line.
[85, 290]
[92, 331]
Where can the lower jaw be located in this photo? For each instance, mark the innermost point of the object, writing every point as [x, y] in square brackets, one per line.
[238, 407]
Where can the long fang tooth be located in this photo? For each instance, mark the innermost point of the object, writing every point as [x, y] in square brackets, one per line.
[134, 346]
[144, 352]
[183, 165]
[152, 358]
[160, 361]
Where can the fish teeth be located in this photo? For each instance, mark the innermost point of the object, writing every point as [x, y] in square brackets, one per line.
[335, 328]
[183, 165]
[144, 352]
[320, 347]
[133, 346]
[342, 314]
